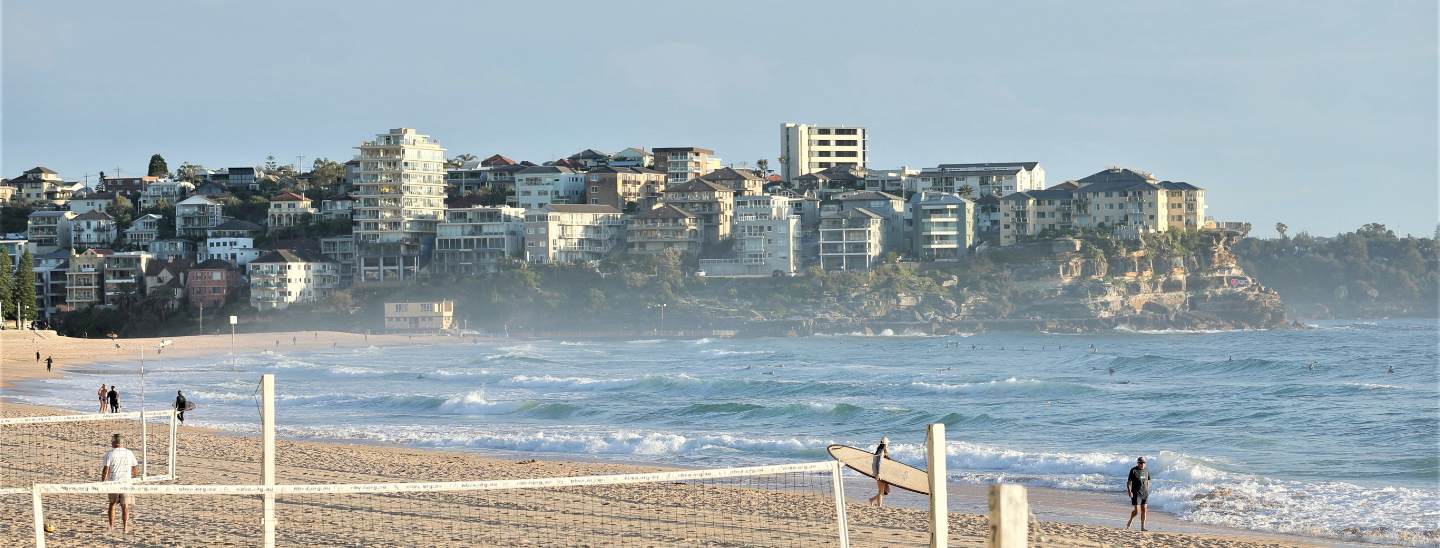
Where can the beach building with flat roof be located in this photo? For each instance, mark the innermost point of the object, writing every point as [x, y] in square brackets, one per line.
[419, 317]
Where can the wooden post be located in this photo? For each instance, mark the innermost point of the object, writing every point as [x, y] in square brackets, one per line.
[939, 503]
[1009, 513]
[267, 455]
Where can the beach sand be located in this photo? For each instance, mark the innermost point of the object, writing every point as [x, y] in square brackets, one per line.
[774, 514]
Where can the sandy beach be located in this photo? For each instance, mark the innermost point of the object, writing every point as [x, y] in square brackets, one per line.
[628, 515]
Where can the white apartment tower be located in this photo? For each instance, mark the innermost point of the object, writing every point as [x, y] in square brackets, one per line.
[806, 149]
[399, 201]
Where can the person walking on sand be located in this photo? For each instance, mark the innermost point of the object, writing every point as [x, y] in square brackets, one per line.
[120, 466]
[104, 398]
[114, 399]
[37, 356]
[1138, 487]
[180, 406]
[881, 452]
[49, 360]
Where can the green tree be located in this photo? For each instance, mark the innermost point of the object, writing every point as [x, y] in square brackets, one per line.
[1281, 228]
[25, 287]
[763, 166]
[324, 172]
[188, 172]
[270, 165]
[966, 191]
[7, 286]
[158, 167]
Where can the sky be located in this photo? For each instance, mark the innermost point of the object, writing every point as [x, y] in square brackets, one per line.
[1321, 115]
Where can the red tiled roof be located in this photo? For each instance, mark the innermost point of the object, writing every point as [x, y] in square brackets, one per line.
[289, 197]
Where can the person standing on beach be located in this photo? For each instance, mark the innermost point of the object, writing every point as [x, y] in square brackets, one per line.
[37, 356]
[1138, 487]
[116, 460]
[180, 406]
[114, 399]
[881, 452]
[104, 397]
[50, 360]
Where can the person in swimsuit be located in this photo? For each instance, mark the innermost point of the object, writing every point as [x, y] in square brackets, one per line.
[883, 488]
[104, 398]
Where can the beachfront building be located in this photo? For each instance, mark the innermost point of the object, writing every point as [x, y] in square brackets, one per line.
[170, 192]
[621, 186]
[943, 226]
[473, 240]
[681, 164]
[125, 275]
[289, 209]
[342, 250]
[743, 181]
[284, 277]
[767, 239]
[85, 279]
[144, 230]
[569, 233]
[427, 317]
[196, 215]
[93, 229]
[806, 149]
[172, 248]
[1131, 202]
[541, 185]
[851, 239]
[51, 271]
[49, 231]
[975, 180]
[1026, 214]
[712, 203]
[889, 206]
[165, 280]
[665, 227]
[210, 283]
[400, 200]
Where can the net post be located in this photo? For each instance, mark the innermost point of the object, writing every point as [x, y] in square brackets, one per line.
[267, 455]
[1009, 511]
[39, 517]
[174, 428]
[939, 499]
[144, 447]
[837, 484]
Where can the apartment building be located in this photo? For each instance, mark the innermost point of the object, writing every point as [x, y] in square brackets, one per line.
[171, 192]
[541, 185]
[93, 201]
[7, 193]
[589, 158]
[902, 181]
[662, 228]
[806, 149]
[889, 206]
[827, 183]
[38, 184]
[469, 178]
[125, 275]
[851, 239]
[85, 279]
[1028, 213]
[196, 215]
[767, 239]
[681, 164]
[171, 249]
[987, 218]
[632, 157]
[49, 231]
[144, 230]
[338, 207]
[975, 180]
[210, 283]
[289, 209]
[427, 317]
[567, 233]
[944, 227]
[342, 250]
[712, 203]
[235, 228]
[620, 186]
[284, 277]
[51, 271]
[400, 193]
[1131, 202]
[743, 181]
[166, 280]
[93, 229]
[473, 240]
[234, 250]
[128, 186]
[243, 177]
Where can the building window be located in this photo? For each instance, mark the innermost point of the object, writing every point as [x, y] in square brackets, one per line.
[847, 131]
[823, 143]
[822, 131]
[595, 189]
[847, 143]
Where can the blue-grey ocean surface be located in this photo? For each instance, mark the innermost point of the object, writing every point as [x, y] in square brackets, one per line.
[1282, 448]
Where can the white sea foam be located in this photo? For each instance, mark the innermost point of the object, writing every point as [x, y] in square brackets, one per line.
[963, 388]
[475, 403]
[569, 383]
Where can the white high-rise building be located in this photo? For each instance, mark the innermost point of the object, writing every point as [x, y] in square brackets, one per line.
[806, 149]
[399, 200]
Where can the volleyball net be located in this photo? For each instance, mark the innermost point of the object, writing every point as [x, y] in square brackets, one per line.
[69, 448]
[782, 505]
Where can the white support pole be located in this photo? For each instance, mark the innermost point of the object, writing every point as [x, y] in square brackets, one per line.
[39, 517]
[1009, 514]
[174, 428]
[939, 498]
[267, 455]
[144, 446]
[837, 484]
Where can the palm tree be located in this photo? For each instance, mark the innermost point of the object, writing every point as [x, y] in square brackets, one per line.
[460, 160]
[966, 191]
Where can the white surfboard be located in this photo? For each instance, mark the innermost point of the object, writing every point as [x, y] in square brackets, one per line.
[892, 472]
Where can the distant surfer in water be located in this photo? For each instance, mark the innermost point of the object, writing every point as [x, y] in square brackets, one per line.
[1312, 365]
[1392, 369]
[883, 488]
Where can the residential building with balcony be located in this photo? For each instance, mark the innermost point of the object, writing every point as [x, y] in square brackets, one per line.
[39, 184]
[171, 249]
[542, 185]
[338, 207]
[144, 230]
[342, 250]
[172, 192]
[289, 209]
[235, 228]
[997, 178]
[7, 193]
[681, 164]
[472, 177]
[473, 240]
[620, 186]
[743, 181]
[830, 182]
[767, 239]
[93, 201]
[400, 200]
[236, 251]
[632, 157]
[889, 206]
[567, 233]
[85, 279]
[130, 187]
[1131, 202]
[987, 218]
[851, 239]
[210, 283]
[589, 158]
[51, 272]
[165, 280]
[196, 215]
[49, 230]
[944, 226]
[427, 317]
[125, 275]
[903, 181]
[93, 229]
[712, 203]
[284, 277]
[806, 149]
[662, 228]
[1024, 214]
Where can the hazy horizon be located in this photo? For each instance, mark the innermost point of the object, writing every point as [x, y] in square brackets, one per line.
[1307, 113]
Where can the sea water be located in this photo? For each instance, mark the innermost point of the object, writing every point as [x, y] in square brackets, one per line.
[1237, 428]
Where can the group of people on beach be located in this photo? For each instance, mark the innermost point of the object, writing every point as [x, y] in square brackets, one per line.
[109, 399]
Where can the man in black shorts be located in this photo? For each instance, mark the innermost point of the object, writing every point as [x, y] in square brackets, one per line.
[1138, 487]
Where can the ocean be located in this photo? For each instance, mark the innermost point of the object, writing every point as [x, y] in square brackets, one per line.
[1239, 431]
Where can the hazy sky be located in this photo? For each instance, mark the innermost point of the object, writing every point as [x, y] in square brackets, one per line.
[1318, 114]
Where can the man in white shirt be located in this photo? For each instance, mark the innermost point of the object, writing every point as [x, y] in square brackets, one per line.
[117, 460]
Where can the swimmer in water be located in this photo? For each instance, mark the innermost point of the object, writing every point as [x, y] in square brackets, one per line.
[1094, 350]
[1112, 370]
[749, 367]
[1232, 358]
[1392, 369]
[1312, 365]
[972, 346]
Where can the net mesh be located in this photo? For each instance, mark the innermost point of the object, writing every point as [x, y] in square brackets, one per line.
[70, 451]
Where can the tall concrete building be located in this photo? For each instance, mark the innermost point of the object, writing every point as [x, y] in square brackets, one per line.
[806, 149]
[400, 199]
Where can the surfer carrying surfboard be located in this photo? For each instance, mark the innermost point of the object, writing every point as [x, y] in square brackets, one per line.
[180, 405]
[883, 488]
